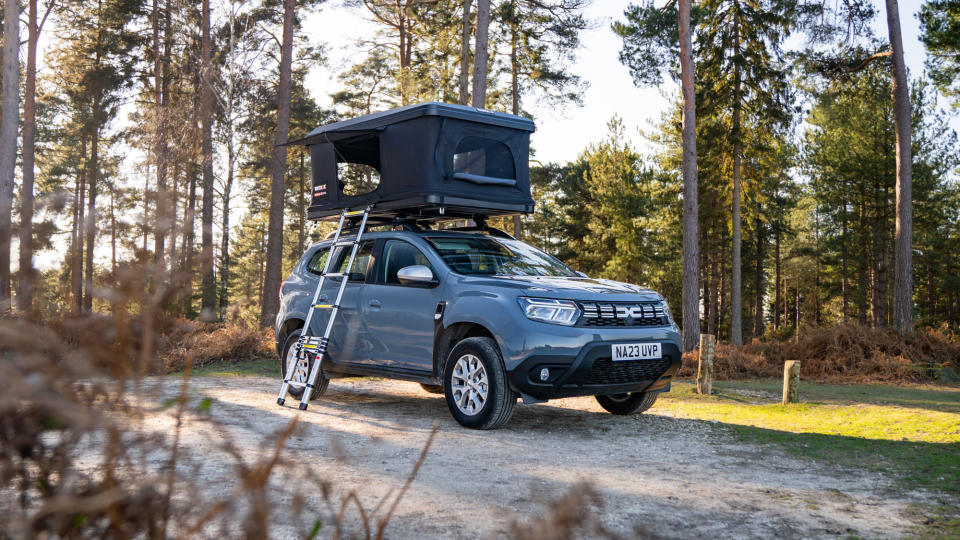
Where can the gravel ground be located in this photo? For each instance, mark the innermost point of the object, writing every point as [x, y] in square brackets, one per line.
[656, 475]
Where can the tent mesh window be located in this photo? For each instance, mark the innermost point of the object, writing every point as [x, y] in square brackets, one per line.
[484, 157]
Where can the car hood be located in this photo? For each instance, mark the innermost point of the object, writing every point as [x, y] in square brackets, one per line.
[573, 288]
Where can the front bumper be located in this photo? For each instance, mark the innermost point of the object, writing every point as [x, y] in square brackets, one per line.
[591, 372]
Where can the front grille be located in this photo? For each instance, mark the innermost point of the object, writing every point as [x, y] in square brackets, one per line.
[606, 371]
[656, 321]
[623, 314]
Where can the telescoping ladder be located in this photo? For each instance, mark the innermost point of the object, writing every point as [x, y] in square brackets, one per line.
[318, 345]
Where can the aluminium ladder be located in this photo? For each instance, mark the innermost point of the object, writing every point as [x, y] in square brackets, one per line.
[319, 344]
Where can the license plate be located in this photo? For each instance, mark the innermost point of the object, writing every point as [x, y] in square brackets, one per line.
[636, 351]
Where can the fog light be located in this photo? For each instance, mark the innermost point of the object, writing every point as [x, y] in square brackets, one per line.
[544, 374]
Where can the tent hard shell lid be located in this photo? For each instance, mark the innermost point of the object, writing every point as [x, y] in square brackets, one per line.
[422, 162]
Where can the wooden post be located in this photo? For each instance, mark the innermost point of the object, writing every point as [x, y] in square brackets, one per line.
[791, 381]
[705, 370]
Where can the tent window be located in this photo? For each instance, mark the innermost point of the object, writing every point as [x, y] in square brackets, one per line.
[358, 164]
[357, 178]
[484, 157]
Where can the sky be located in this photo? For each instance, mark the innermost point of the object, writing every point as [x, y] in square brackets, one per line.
[562, 134]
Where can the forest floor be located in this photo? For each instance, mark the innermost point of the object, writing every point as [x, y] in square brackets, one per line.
[852, 461]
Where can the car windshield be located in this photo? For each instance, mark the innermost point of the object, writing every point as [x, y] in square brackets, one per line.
[484, 255]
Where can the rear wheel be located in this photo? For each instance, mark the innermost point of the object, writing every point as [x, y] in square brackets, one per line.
[620, 404]
[475, 385]
[301, 369]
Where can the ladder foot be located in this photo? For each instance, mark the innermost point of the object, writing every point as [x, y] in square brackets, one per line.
[280, 401]
[303, 406]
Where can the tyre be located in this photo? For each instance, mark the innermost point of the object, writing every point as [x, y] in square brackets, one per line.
[636, 402]
[298, 380]
[475, 385]
[432, 388]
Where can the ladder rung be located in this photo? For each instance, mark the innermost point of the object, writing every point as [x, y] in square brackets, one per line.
[325, 306]
[343, 243]
[355, 212]
[334, 275]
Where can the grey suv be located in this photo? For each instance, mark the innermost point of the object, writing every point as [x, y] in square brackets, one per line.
[482, 318]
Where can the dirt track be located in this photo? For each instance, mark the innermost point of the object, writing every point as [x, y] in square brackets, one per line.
[673, 477]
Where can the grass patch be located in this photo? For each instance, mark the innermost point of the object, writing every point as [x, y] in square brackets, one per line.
[936, 522]
[910, 433]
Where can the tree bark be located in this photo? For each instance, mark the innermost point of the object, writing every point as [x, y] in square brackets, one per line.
[465, 28]
[274, 256]
[480, 55]
[690, 297]
[903, 252]
[208, 293]
[9, 120]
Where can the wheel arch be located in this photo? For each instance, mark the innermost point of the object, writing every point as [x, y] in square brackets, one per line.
[450, 336]
[288, 326]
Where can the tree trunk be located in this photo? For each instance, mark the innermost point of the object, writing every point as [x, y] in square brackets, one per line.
[465, 28]
[208, 295]
[515, 98]
[162, 220]
[91, 221]
[777, 295]
[274, 259]
[903, 255]
[26, 284]
[225, 238]
[758, 299]
[76, 262]
[691, 233]
[302, 209]
[480, 55]
[113, 230]
[188, 261]
[845, 281]
[9, 120]
[736, 299]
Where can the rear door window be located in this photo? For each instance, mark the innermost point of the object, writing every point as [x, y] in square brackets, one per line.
[358, 271]
[315, 265]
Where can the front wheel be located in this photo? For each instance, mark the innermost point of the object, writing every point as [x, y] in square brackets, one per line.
[475, 385]
[621, 404]
[301, 369]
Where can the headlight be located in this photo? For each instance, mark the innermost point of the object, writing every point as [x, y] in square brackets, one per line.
[551, 311]
[666, 310]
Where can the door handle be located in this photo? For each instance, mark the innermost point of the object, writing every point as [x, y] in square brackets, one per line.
[376, 304]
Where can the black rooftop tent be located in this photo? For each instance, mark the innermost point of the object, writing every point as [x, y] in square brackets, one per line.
[432, 160]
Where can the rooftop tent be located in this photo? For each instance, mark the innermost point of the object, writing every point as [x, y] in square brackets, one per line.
[422, 161]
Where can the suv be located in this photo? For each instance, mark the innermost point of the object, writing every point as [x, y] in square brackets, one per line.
[482, 318]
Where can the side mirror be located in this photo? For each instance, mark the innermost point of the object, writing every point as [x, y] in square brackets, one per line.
[581, 274]
[417, 274]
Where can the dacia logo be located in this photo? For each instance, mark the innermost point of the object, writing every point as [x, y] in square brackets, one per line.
[634, 312]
